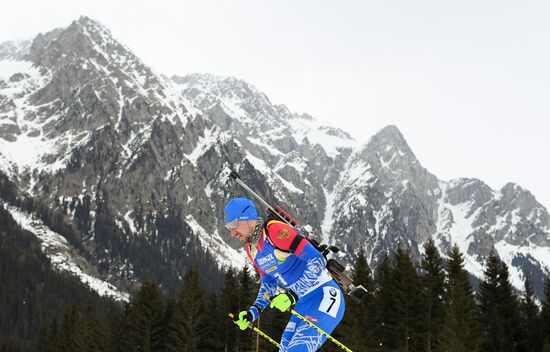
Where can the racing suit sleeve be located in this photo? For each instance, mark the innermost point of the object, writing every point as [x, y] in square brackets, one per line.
[289, 239]
[268, 286]
[315, 268]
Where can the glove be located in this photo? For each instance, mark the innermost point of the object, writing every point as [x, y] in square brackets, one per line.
[243, 319]
[283, 301]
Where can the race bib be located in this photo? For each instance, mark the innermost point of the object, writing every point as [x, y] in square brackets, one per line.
[331, 301]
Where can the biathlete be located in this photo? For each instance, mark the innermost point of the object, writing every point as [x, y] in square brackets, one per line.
[284, 258]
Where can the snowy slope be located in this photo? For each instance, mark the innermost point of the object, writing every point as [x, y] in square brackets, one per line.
[63, 257]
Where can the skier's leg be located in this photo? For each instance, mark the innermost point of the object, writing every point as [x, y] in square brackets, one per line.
[305, 339]
[325, 308]
[289, 332]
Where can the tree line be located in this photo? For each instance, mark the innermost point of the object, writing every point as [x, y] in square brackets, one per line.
[426, 306]
[32, 293]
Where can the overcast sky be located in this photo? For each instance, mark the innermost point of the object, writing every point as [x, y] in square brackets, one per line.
[466, 82]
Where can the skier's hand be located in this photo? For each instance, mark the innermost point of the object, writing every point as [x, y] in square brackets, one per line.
[283, 301]
[243, 319]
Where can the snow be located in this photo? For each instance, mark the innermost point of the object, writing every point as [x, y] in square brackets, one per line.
[26, 151]
[62, 256]
[130, 222]
[232, 108]
[299, 165]
[289, 185]
[227, 256]
[358, 174]
[454, 223]
[461, 225]
[272, 150]
[328, 218]
[30, 146]
[262, 167]
[314, 132]
[386, 164]
[203, 145]
[507, 252]
[259, 164]
[456, 226]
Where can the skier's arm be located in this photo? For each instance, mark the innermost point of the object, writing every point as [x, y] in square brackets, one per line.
[268, 286]
[315, 267]
[288, 238]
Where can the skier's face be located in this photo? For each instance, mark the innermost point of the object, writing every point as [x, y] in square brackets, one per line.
[244, 230]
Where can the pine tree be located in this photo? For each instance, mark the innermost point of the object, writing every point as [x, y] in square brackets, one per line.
[545, 316]
[9, 345]
[186, 331]
[356, 327]
[230, 304]
[460, 328]
[510, 304]
[47, 340]
[65, 339]
[112, 323]
[143, 330]
[432, 287]
[532, 340]
[385, 339]
[87, 334]
[247, 290]
[215, 324]
[499, 308]
[407, 300]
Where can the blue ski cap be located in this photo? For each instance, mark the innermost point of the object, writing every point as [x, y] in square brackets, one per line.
[240, 209]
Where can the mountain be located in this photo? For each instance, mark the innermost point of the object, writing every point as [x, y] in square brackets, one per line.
[375, 195]
[90, 131]
[131, 169]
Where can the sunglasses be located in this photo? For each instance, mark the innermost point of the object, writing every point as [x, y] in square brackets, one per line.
[232, 225]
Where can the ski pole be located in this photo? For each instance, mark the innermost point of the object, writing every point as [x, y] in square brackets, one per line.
[259, 332]
[315, 327]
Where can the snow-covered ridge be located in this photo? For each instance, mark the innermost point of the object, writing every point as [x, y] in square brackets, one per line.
[63, 257]
[460, 224]
[15, 49]
[243, 102]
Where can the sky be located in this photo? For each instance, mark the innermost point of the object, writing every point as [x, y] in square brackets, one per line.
[466, 82]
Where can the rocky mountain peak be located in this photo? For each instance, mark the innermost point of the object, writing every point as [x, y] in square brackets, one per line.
[469, 189]
[513, 196]
[225, 87]
[83, 41]
[389, 141]
[512, 190]
[389, 156]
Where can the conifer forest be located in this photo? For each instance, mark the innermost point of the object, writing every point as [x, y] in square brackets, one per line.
[426, 306]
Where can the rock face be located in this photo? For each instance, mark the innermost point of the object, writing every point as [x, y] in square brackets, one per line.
[91, 130]
[138, 164]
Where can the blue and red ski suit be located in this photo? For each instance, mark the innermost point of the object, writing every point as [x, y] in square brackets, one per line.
[284, 258]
